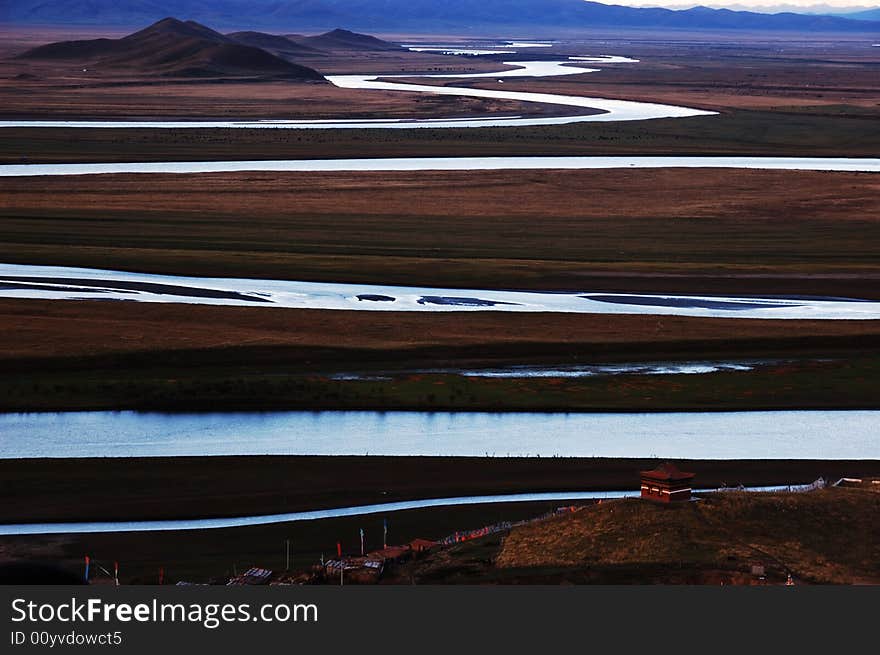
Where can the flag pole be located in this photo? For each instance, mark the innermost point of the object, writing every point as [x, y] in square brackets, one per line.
[341, 563]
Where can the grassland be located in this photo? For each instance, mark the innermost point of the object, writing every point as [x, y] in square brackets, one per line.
[668, 231]
[95, 355]
[704, 231]
[737, 132]
[673, 231]
[835, 384]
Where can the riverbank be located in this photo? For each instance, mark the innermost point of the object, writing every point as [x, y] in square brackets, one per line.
[216, 555]
[89, 355]
[54, 490]
[735, 132]
[698, 231]
[826, 384]
[822, 537]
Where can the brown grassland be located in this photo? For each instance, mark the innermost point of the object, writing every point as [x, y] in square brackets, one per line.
[782, 74]
[703, 231]
[98, 355]
[49, 330]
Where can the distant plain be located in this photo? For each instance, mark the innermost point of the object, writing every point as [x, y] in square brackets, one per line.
[654, 231]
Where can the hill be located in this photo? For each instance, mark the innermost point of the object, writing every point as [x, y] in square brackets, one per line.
[292, 46]
[422, 16]
[171, 47]
[868, 14]
[340, 40]
[278, 45]
[827, 536]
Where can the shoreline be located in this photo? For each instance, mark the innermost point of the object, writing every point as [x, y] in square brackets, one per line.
[146, 488]
[767, 522]
[171, 359]
[465, 409]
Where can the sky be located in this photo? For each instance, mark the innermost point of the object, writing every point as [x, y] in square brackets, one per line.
[791, 5]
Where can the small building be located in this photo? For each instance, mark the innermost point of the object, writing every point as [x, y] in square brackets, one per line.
[666, 484]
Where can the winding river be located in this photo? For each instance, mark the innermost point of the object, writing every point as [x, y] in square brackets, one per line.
[64, 283]
[599, 109]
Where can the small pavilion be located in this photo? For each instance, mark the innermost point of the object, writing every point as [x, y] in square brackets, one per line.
[666, 484]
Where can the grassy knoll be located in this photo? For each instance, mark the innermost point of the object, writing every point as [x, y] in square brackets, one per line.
[822, 537]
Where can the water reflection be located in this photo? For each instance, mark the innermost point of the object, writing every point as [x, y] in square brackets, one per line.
[715, 435]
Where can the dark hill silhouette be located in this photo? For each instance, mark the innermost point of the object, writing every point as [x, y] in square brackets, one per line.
[171, 47]
[172, 26]
[425, 16]
[277, 45]
[344, 40]
[72, 50]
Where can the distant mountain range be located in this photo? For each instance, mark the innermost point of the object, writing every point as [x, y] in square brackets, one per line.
[769, 7]
[296, 46]
[868, 14]
[418, 16]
